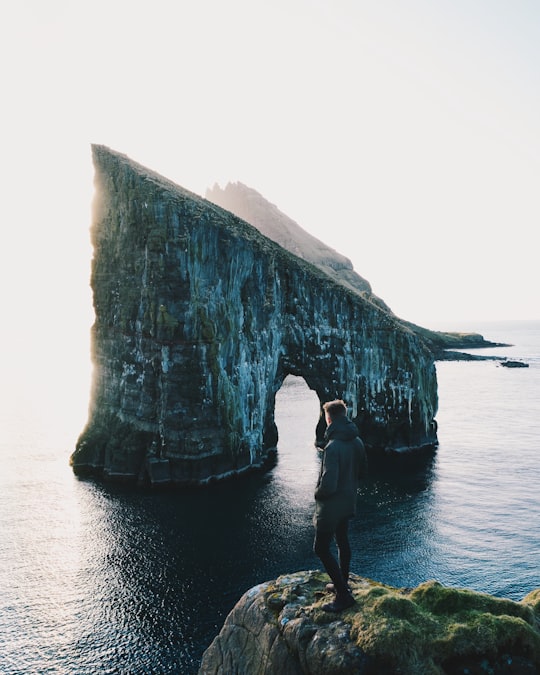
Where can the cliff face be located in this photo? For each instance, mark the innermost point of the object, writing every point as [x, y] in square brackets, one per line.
[199, 318]
[279, 627]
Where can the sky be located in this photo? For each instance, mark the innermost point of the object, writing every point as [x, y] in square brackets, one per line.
[403, 133]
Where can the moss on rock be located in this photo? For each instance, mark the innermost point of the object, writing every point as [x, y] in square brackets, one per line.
[431, 629]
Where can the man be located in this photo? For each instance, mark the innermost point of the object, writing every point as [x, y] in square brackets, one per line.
[344, 463]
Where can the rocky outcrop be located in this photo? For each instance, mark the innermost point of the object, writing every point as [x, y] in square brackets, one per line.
[250, 205]
[514, 364]
[279, 627]
[199, 319]
[442, 344]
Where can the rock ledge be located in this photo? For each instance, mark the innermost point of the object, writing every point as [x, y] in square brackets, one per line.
[280, 627]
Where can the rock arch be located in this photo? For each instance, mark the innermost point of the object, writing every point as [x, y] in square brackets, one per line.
[199, 319]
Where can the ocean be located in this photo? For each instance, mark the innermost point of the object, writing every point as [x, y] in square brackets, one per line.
[103, 579]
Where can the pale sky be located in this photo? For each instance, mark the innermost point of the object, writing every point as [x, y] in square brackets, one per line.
[403, 133]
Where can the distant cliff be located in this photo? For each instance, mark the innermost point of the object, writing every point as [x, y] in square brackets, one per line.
[250, 205]
[199, 319]
[279, 627]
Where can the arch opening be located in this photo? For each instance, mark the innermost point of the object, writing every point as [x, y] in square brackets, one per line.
[297, 410]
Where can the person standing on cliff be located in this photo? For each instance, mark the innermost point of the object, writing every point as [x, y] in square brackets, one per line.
[343, 464]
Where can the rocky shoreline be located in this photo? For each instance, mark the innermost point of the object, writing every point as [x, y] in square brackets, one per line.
[443, 344]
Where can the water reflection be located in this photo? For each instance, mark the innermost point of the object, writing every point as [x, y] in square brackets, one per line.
[115, 579]
[103, 578]
[168, 567]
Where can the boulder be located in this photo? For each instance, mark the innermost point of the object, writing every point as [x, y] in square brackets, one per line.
[280, 627]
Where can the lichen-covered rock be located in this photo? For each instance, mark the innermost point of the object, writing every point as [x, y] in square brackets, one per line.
[199, 319]
[280, 627]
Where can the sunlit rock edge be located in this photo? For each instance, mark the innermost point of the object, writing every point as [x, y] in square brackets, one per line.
[280, 627]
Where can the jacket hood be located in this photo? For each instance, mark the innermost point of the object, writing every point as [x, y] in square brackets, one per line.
[341, 429]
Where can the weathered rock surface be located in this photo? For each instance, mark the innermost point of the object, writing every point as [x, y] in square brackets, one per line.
[279, 627]
[250, 205]
[199, 319]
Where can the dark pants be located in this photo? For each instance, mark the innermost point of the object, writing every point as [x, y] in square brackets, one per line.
[339, 573]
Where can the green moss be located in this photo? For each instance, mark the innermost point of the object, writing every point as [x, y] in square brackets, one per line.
[434, 623]
[533, 600]
[228, 398]
[207, 328]
[157, 238]
[167, 322]
[390, 626]
[442, 600]
[418, 631]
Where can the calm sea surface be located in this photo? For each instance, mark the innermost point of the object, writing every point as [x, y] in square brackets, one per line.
[101, 579]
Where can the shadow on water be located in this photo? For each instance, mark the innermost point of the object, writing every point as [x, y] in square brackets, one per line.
[168, 566]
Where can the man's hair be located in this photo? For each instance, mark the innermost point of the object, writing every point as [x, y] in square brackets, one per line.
[335, 409]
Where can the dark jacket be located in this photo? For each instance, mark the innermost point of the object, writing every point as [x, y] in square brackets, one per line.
[344, 463]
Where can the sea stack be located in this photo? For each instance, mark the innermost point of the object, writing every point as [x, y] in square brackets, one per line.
[198, 320]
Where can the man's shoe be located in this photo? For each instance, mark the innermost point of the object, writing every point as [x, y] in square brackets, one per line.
[340, 604]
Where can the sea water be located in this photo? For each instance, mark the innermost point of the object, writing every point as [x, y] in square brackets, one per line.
[108, 579]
